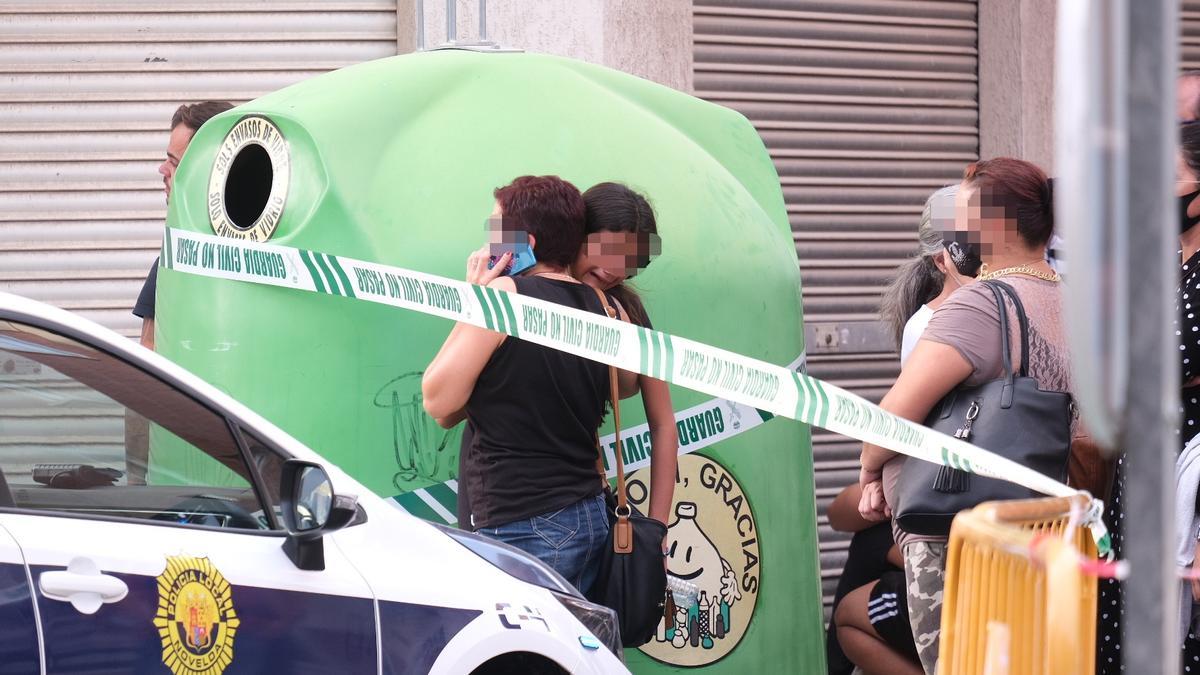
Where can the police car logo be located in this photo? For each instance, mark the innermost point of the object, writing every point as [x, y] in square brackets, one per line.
[195, 617]
[712, 544]
[249, 181]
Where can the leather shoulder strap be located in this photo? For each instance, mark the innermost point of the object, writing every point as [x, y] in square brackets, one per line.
[1022, 322]
[1005, 345]
[622, 529]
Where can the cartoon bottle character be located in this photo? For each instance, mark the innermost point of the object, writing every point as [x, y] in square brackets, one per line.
[693, 557]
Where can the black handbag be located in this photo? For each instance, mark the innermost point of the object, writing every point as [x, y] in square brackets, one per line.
[1012, 417]
[632, 579]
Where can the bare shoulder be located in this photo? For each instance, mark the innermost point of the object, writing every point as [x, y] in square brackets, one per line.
[503, 284]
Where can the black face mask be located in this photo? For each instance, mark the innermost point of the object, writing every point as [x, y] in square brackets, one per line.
[963, 253]
[1185, 221]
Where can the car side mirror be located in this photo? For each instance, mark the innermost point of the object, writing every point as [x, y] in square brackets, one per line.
[310, 511]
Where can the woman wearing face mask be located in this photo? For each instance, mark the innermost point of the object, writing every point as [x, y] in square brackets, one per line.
[870, 613]
[621, 238]
[922, 284]
[1007, 204]
[1187, 330]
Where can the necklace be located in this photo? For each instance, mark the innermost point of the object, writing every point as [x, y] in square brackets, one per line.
[556, 275]
[1025, 268]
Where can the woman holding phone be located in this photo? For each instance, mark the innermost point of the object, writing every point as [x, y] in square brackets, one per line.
[535, 411]
[621, 239]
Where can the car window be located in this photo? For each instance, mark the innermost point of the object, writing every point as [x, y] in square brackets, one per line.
[86, 434]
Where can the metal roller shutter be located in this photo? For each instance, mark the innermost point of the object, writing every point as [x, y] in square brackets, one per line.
[87, 90]
[1189, 39]
[867, 106]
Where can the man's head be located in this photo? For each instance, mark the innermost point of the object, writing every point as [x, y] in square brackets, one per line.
[550, 210]
[184, 123]
[1187, 96]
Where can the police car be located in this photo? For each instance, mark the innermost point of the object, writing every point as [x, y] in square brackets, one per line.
[150, 523]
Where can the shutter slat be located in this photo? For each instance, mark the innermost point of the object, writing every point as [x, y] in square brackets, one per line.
[866, 107]
[87, 94]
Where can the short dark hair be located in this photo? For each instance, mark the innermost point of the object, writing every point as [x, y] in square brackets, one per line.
[613, 207]
[550, 209]
[1023, 189]
[194, 116]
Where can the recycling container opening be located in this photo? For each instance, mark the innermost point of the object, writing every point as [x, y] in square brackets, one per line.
[248, 186]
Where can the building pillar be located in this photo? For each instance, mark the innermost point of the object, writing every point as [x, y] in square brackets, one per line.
[1016, 80]
[648, 39]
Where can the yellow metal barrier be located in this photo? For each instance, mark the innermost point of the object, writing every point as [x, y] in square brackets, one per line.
[1005, 613]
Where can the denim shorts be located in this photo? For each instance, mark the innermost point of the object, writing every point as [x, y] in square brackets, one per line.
[570, 540]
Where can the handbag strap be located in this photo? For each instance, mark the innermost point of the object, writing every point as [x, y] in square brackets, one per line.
[1005, 347]
[1022, 323]
[622, 529]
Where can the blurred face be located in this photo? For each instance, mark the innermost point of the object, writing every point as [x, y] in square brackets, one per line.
[609, 258]
[982, 216]
[181, 135]
[502, 238]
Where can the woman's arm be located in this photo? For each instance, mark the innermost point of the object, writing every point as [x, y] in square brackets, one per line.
[843, 511]
[450, 378]
[664, 446]
[932, 371]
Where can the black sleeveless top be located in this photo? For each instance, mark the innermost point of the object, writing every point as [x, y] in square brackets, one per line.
[532, 420]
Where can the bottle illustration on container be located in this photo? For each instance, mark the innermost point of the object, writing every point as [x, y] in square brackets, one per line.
[693, 558]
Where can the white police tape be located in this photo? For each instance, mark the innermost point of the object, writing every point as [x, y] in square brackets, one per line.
[699, 427]
[682, 362]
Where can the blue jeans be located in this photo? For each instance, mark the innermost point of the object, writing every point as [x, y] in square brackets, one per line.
[570, 540]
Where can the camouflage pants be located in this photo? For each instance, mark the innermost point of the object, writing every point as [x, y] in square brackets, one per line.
[925, 577]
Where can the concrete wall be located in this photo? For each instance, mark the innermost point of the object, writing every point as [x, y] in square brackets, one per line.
[648, 38]
[1016, 79]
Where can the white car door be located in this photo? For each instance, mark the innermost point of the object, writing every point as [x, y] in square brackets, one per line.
[20, 650]
[154, 546]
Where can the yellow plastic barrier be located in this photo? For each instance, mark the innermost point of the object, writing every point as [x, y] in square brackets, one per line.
[1005, 613]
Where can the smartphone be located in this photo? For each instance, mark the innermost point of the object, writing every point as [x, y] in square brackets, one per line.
[522, 259]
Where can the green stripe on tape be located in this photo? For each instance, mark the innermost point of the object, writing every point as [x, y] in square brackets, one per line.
[508, 311]
[645, 349]
[170, 257]
[444, 496]
[801, 397]
[305, 256]
[501, 321]
[766, 416]
[670, 357]
[409, 501]
[655, 354]
[333, 286]
[661, 366]
[824, 417]
[811, 401]
[341, 273]
[487, 312]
